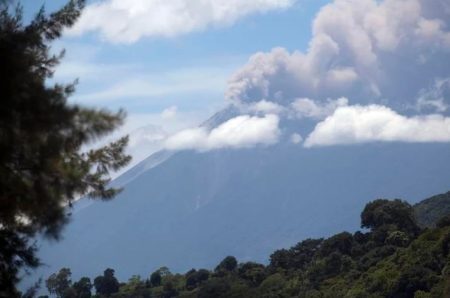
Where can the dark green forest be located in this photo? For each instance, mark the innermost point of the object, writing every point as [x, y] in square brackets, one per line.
[402, 251]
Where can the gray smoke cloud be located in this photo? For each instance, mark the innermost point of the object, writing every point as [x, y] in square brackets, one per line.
[387, 52]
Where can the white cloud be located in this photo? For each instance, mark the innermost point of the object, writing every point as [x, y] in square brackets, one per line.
[375, 123]
[437, 104]
[376, 53]
[296, 138]
[143, 142]
[184, 119]
[367, 50]
[69, 70]
[307, 108]
[262, 107]
[240, 132]
[433, 31]
[144, 85]
[127, 21]
[148, 132]
[169, 113]
[437, 97]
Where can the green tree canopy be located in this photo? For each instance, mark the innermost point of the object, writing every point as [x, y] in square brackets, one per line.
[155, 279]
[107, 284]
[396, 213]
[227, 264]
[42, 167]
[83, 287]
[59, 283]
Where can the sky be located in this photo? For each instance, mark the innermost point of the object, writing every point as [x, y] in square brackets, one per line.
[188, 71]
[363, 70]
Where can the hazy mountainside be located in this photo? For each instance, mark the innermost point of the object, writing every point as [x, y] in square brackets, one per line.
[189, 209]
[393, 257]
[193, 209]
[429, 211]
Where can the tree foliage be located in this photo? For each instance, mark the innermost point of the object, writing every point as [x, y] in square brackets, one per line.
[155, 279]
[59, 283]
[107, 284]
[42, 167]
[384, 213]
[227, 264]
[83, 287]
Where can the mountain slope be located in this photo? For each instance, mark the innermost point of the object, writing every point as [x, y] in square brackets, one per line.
[192, 209]
[392, 258]
[430, 211]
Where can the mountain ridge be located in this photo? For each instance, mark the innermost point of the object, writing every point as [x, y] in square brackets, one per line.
[430, 210]
[195, 208]
[392, 257]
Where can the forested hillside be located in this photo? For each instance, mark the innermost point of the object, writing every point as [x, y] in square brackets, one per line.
[392, 257]
[430, 210]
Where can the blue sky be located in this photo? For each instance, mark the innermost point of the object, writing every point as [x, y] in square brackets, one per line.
[362, 70]
[175, 68]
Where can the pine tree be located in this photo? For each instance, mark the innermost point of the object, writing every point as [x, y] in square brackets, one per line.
[42, 168]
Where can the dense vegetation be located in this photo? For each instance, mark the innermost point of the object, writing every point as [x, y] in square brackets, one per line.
[392, 257]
